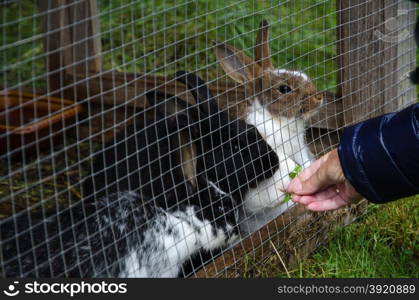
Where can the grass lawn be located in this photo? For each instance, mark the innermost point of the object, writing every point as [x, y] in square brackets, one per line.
[382, 243]
[150, 36]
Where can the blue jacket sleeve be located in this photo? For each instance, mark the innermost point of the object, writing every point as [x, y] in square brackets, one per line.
[380, 157]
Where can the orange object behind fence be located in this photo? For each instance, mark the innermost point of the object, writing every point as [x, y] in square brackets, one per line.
[29, 121]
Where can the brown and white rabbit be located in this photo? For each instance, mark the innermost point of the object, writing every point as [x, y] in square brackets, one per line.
[280, 102]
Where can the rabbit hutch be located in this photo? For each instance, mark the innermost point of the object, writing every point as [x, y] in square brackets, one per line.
[76, 73]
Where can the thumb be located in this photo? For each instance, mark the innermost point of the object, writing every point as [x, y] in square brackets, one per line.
[324, 172]
[318, 181]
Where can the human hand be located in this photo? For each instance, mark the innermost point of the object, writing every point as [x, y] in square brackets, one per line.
[322, 186]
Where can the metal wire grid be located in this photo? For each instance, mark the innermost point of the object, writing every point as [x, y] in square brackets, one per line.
[146, 38]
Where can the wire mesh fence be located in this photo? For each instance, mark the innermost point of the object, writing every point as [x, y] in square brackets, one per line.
[156, 138]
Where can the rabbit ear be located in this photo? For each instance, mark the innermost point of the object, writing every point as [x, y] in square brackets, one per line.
[188, 157]
[164, 103]
[262, 50]
[181, 117]
[200, 91]
[173, 109]
[240, 67]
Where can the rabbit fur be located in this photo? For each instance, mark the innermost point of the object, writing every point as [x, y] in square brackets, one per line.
[121, 235]
[232, 154]
[228, 156]
[282, 100]
[141, 233]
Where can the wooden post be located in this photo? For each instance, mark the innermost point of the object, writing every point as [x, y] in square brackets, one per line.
[54, 22]
[374, 56]
[71, 41]
[85, 37]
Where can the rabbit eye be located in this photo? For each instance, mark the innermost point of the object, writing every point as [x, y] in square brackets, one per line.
[236, 147]
[284, 89]
[221, 209]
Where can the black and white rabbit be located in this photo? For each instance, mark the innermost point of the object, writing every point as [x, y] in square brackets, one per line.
[232, 153]
[121, 235]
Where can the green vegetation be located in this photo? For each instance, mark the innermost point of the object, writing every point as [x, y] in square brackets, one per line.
[151, 36]
[292, 175]
[382, 243]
